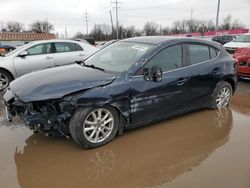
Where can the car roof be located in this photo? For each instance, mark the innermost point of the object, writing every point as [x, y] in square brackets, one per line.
[149, 39]
[53, 40]
[155, 40]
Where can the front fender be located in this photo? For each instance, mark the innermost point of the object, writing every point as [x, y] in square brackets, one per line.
[116, 95]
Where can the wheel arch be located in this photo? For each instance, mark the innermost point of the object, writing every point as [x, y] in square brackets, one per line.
[7, 72]
[231, 82]
[123, 118]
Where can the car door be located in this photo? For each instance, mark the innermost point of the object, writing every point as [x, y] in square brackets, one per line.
[68, 53]
[204, 68]
[39, 57]
[151, 100]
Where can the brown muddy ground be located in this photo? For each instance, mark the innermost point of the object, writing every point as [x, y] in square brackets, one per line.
[203, 149]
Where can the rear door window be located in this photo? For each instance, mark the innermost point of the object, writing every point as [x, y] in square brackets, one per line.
[67, 47]
[199, 53]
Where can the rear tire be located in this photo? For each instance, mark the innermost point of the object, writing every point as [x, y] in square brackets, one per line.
[94, 127]
[221, 96]
[5, 79]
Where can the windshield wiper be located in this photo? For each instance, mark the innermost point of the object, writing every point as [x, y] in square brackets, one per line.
[93, 67]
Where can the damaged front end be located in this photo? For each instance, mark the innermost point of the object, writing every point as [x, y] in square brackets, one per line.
[50, 117]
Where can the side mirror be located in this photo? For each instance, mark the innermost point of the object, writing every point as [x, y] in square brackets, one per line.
[23, 54]
[154, 74]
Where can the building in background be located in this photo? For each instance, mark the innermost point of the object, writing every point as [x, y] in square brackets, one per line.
[17, 39]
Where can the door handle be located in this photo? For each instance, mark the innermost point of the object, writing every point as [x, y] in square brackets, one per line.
[81, 54]
[49, 57]
[181, 81]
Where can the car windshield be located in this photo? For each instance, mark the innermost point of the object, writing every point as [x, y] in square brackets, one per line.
[242, 38]
[119, 56]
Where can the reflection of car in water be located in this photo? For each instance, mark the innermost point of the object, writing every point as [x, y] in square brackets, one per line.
[151, 156]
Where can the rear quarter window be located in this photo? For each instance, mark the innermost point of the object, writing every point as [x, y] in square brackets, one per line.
[213, 52]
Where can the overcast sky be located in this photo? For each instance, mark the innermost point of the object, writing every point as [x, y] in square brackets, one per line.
[69, 13]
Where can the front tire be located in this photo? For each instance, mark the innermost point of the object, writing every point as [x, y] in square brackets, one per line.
[221, 96]
[5, 79]
[93, 127]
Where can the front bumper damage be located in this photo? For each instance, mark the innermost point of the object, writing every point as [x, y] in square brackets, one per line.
[50, 117]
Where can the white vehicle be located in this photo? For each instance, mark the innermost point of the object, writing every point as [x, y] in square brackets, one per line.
[240, 41]
[40, 55]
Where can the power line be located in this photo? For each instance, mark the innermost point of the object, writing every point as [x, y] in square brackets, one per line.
[86, 17]
[117, 3]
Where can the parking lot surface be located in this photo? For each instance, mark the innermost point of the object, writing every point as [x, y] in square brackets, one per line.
[207, 148]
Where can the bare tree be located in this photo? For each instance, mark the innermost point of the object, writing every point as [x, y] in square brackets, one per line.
[230, 23]
[42, 27]
[130, 31]
[237, 24]
[180, 26]
[151, 28]
[79, 35]
[166, 31]
[193, 25]
[210, 26]
[12, 26]
[226, 23]
[127, 32]
[101, 32]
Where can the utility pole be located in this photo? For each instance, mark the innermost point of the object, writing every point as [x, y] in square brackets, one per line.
[86, 17]
[116, 2]
[112, 25]
[192, 11]
[217, 16]
[66, 33]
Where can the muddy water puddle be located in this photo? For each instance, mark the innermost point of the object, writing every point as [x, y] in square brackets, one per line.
[208, 148]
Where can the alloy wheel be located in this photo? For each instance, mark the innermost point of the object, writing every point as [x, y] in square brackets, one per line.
[98, 125]
[223, 97]
[4, 81]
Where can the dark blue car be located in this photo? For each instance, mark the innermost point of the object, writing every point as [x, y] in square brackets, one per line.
[130, 83]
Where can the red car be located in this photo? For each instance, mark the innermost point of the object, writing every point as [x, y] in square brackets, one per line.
[243, 57]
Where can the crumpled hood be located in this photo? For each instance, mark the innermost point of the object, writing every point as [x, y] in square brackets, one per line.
[57, 82]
